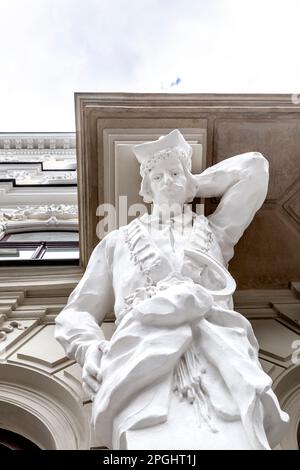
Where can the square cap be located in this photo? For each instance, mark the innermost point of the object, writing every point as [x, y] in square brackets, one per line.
[149, 153]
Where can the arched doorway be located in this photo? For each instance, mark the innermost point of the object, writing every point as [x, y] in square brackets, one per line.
[40, 409]
[12, 441]
[287, 389]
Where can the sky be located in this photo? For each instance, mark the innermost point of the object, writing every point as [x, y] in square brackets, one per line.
[50, 49]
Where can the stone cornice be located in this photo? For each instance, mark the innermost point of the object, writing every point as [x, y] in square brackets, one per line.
[187, 100]
[37, 141]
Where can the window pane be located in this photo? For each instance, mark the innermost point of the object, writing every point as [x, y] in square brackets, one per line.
[61, 253]
[43, 237]
[16, 253]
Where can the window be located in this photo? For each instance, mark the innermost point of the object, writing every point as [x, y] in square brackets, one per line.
[53, 247]
[57, 236]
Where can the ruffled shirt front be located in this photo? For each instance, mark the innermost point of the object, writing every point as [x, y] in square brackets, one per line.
[170, 236]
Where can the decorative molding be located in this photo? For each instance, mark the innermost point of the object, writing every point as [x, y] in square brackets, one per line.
[15, 174]
[35, 155]
[17, 336]
[44, 212]
[39, 177]
[44, 217]
[37, 159]
[35, 281]
[5, 329]
[292, 206]
[37, 195]
[274, 316]
[40, 141]
[34, 353]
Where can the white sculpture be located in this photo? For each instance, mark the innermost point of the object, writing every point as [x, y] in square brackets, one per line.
[181, 370]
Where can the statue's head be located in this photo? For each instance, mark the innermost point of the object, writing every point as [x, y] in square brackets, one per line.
[165, 167]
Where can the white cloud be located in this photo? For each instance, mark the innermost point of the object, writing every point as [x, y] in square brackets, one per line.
[51, 48]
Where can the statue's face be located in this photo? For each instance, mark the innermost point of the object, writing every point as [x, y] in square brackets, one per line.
[168, 182]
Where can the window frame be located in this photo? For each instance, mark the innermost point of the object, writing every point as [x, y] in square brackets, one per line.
[40, 248]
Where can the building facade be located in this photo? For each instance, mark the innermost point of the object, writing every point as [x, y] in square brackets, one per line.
[41, 396]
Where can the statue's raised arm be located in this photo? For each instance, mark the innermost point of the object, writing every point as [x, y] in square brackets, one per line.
[242, 183]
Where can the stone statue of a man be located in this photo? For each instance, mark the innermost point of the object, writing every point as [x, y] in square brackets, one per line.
[181, 370]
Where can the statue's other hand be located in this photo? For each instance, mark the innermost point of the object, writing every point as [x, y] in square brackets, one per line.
[91, 375]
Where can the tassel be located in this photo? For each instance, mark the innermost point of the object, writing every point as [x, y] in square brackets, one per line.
[187, 385]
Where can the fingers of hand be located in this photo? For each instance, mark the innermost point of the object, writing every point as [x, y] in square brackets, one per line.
[90, 383]
[94, 355]
[92, 376]
[88, 391]
[92, 370]
[103, 346]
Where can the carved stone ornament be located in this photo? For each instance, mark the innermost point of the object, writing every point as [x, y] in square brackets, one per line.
[52, 214]
[34, 155]
[15, 174]
[38, 177]
[9, 327]
[60, 211]
[181, 370]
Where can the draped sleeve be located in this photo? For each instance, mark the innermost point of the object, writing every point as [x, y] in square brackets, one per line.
[78, 324]
[242, 183]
